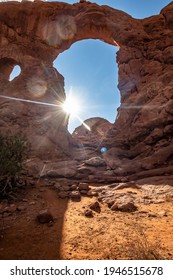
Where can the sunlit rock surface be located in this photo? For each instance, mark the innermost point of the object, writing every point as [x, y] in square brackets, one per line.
[32, 36]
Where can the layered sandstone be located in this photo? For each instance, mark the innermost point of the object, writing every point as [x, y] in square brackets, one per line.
[32, 36]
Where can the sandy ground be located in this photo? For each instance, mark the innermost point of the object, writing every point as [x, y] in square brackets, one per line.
[144, 234]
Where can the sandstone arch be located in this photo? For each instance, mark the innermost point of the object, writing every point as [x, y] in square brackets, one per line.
[95, 61]
[35, 33]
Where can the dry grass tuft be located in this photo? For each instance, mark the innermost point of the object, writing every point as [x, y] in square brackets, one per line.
[139, 247]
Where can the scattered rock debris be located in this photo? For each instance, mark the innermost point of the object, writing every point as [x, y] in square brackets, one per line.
[88, 213]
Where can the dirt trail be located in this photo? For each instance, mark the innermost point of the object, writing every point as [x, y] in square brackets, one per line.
[107, 235]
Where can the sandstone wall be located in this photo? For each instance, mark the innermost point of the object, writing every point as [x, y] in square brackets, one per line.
[32, 36]
[143, 131]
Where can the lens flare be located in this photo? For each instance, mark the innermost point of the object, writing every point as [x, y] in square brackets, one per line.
[30, 101]
[103, 150]
[84, 124]
[36, 86]
[61, 29]
[71, 106]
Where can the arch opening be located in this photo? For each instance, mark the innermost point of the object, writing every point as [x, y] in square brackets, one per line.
[9, 69]
[91, 77]
[15, 73]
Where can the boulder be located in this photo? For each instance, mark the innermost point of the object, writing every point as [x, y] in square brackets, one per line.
[61, 172]
[83, 187]
[63, 194]
[88, 213]
[44, 216]
[95, 161]
[95, 206]
[75, 195]
[124, 207]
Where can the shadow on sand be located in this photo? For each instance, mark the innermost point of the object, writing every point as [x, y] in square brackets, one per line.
[23, 238]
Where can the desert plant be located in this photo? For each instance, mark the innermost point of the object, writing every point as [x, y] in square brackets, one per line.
[13, 152]
[140, 248]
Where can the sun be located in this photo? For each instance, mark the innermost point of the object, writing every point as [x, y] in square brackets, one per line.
[71, 106]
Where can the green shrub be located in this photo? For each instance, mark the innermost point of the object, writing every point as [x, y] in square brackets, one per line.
[13, 152]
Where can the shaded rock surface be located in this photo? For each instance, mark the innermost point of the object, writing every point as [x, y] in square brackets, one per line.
[95, 161]
[88, 213]
[44, 217]
[95, 206]
[140, 141]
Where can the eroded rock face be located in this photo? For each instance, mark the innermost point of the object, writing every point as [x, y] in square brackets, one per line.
[32, 36]
[94, 133]
[142, 131]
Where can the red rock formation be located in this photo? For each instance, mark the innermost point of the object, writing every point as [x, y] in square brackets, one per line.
[32, 36]
[98, 128]
[142, 133]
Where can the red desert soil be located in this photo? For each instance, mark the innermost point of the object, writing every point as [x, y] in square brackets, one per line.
[143, 234]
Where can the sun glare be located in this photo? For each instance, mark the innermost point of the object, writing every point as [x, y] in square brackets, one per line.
[71, 106]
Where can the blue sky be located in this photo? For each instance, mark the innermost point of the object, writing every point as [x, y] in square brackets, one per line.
[89, 66]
